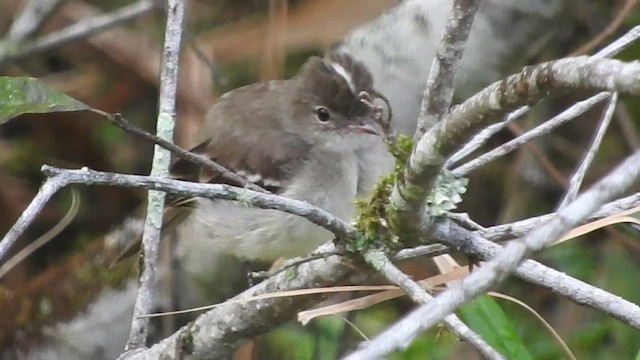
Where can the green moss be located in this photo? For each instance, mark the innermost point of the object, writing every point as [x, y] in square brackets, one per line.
[292, 273]
[185, 342]
[373, 212]
[375, 215]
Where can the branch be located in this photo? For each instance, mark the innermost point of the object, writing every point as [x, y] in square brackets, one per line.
[315, 215]
[521, 228]
[440, 84]
[125, 125]
[611, 50]
[571, 113]
[534, 272]
[31, 17]
[218, 332]
[379, 261]
[529, 86]
[160, 168]
[498, 268]
[47, 190]
[12, 51]
[576, 179]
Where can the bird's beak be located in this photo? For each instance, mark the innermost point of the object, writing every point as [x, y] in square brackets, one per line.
[367, 126]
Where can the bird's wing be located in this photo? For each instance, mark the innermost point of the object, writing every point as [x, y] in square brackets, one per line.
[257, 147]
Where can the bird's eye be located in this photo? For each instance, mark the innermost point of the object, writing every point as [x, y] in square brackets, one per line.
[322, 114]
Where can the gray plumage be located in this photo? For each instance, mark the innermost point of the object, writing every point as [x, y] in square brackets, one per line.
[271, 134]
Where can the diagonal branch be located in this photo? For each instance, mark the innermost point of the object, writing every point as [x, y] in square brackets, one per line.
[569, 114]
[47, 190]
[31, 18]
[534, 272]
[578, 176]
[378, 260]
[487, 106]
[498, 268]
[11, 51]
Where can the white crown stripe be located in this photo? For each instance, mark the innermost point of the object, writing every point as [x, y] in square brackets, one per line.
[346, 75]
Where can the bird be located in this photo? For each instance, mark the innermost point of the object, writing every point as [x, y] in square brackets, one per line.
[317, 137]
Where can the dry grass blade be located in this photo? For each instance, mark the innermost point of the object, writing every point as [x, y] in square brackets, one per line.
[46, 237]
[280, 294]
[366, 301]
[598, 224]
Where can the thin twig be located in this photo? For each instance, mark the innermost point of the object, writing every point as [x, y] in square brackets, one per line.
[541, 157]
[424, 250]
[609, 51]
[160, 168]
[498, 268]
[295, 262]
[46, 237]
[620, 44]
[521, 228]
[610, 29]
[438, 93]
[383, 265]
[578, 177]
[571, 113]
[30, 19]
[127, 126]
[218, 79]
[47, 190]
[86, 28]
[485, 135]
[320, 217]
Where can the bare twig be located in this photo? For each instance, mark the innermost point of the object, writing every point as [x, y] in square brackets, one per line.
[578, 177]
[440, 84]
[383, 265]
[610, 29]
[46, 237]
[12, 52]
[536, 273]
[315, 215]
[485, 135]
[122, 123]
[30, 19]
[534, 83]
[160, 168]
[521, 228]
[497, 269]
[480, 139]
[620, 44]
[47, 190]
[295, 262]
[571, 113]
[218, 79]
[424, 250]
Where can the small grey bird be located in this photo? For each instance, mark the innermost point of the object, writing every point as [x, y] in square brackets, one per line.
[317, 137]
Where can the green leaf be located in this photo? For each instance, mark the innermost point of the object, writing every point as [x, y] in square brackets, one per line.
[486, 318]
[22, 95]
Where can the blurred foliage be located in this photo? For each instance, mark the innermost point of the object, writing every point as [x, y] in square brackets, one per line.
[511, 188]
